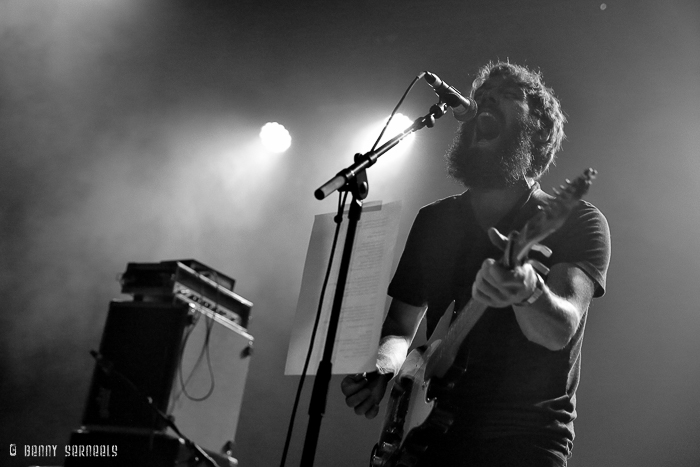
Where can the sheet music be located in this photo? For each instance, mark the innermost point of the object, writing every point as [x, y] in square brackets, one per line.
[364, 300]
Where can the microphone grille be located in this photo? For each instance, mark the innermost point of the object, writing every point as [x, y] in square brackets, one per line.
[465, 113]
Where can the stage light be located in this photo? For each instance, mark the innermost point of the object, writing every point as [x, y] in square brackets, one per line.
[275, 137]
[369, 134]
[399, 123]
[390, 166]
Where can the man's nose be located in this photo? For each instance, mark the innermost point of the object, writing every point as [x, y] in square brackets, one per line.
[487, 97]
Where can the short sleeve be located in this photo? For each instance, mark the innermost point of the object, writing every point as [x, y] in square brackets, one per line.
[424, 275]
[585, 241]
[408, 283]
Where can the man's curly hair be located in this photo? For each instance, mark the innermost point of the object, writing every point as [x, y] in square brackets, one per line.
[544, 106]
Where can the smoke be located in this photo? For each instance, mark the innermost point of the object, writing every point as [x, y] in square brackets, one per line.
[110, 155]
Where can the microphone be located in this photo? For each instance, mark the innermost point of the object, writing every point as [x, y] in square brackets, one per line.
[463, 108]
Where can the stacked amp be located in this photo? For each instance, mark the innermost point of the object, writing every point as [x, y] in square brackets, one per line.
[176, 353]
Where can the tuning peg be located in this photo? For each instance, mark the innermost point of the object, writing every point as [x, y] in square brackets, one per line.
[539, 267]
[591, 172]
[544, 250]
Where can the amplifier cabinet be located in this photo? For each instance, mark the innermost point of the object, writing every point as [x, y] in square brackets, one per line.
[207, 393]
[139, 351]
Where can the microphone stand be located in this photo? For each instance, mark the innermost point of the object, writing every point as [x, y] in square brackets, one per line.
[354, 180]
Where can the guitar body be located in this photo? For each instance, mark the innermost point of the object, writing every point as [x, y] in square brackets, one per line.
[416, 414]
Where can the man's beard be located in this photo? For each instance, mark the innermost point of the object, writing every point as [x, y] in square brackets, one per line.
[484, 168]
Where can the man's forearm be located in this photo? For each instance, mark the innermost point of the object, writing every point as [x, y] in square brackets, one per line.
[554, 317]
[398, 331]
[550, 322]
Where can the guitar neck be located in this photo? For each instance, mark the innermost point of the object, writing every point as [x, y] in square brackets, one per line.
[443, 359]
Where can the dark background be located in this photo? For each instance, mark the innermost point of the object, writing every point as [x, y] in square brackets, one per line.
[128, 132]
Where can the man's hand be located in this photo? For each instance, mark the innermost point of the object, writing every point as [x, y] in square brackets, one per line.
[364, 392]
[499, 287]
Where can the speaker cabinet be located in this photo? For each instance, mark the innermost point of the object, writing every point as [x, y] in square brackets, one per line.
[208, 391]
[138, 358]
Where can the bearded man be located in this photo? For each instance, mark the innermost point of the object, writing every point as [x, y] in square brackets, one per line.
[516, 403]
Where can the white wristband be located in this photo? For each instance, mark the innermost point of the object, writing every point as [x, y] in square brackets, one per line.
[391, 354]
[536, 294]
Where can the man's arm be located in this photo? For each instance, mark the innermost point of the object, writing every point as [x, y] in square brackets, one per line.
[364, 392]
[553, 318]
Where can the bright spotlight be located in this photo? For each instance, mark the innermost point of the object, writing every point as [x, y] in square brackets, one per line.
[275, 137]
[398, 124]
[366, 138]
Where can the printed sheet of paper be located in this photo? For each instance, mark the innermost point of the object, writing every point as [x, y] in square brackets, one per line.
[364, 300]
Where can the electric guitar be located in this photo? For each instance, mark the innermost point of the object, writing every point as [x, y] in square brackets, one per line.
[417, 413]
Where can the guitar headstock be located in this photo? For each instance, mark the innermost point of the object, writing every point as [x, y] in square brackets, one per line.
[550, 218]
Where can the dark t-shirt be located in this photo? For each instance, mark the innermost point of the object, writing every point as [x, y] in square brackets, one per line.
[512, 386]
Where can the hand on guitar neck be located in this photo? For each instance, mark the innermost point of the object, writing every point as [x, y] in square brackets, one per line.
[498, 286]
